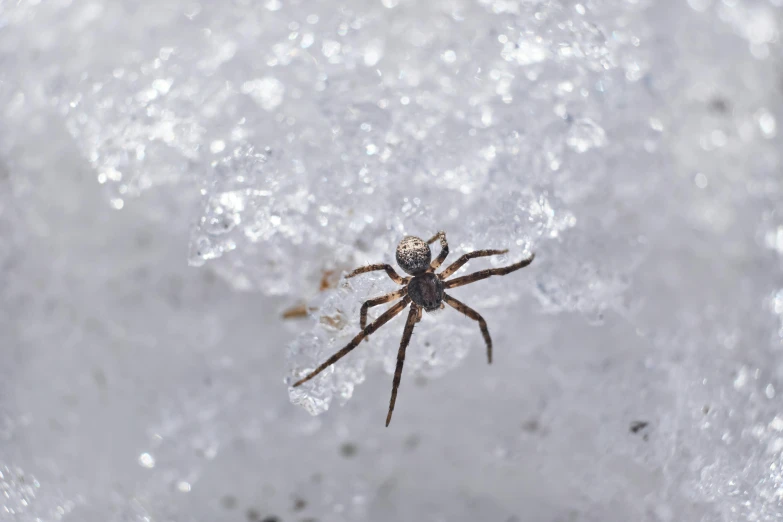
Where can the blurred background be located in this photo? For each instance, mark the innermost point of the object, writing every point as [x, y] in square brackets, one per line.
[184, 184]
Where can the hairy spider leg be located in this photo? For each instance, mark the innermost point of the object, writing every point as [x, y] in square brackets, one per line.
[378, 301]
[456, 265]
[444, 250]
[368, 330]
[483, 274]
[413, 317]
[468, 311]
[380, 266]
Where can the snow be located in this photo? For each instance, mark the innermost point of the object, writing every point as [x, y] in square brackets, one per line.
[184, 185]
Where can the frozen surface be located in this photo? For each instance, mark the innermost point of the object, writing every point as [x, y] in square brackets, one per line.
[635, 147]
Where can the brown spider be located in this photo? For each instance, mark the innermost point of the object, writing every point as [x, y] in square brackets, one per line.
[423, 290]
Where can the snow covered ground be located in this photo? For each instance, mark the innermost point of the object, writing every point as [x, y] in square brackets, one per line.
[183, 186]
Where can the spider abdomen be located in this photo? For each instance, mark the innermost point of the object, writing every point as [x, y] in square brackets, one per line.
[426, 290]
[413, 255]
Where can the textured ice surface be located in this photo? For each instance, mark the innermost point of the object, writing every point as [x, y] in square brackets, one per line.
[634, 146]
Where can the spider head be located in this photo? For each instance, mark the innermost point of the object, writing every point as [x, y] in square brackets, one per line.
[426, 290]
[413, 255]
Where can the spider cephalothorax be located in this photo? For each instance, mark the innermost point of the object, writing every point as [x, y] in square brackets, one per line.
[426, 290]
[423, 291]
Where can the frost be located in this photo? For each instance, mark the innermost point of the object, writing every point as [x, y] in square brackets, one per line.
[267, 92]
[585, 134]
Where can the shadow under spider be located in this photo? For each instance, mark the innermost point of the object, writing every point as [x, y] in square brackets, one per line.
[423, 290]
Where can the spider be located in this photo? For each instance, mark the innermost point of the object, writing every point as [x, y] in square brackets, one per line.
[423, 290]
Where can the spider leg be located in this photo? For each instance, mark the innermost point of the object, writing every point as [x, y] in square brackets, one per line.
[380, 266]
[444, 250]
[378, 301]
[413, 317]
[468, 311]
[368, 330]
[483, 274]
[456, 265]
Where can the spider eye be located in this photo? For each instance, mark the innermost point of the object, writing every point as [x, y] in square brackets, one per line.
[413, 255]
